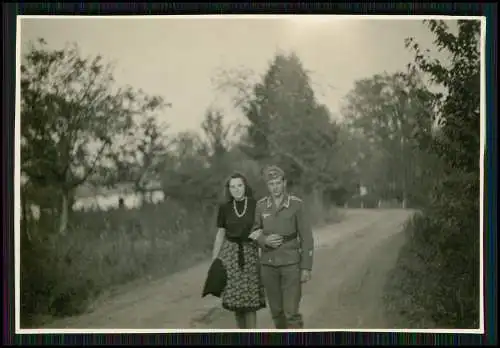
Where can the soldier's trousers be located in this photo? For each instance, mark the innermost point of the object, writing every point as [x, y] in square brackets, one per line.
[284, 291]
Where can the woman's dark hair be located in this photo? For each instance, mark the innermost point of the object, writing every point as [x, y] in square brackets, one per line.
[237, 175]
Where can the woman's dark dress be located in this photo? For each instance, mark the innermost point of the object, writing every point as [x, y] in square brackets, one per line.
[244, 291]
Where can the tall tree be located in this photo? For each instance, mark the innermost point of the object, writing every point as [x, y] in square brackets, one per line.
[216, 134]
[71, 113]
[287, 124]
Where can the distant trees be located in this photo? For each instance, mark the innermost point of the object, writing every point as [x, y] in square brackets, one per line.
[200, 163]
[386, 113]
[386, 117]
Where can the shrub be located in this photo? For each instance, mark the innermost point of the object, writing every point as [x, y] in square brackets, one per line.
[436, 282]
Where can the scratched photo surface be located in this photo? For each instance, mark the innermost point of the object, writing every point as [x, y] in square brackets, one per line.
[130, 128]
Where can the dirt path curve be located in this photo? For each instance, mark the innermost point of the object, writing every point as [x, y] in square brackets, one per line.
[352, 258]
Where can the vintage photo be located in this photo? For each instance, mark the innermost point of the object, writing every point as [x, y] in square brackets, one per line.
[249, 172]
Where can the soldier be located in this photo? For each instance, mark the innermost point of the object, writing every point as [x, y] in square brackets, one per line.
[284, 234]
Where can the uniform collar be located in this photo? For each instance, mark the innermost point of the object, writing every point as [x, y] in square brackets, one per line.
[285, 203]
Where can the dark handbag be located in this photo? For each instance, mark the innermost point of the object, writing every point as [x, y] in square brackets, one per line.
[216, 279]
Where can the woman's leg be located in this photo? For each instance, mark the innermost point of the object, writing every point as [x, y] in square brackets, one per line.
[251, 320]
[240, 320]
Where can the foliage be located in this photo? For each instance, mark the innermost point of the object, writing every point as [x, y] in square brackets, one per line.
[297, 131]
[439, 268]
[139, 158]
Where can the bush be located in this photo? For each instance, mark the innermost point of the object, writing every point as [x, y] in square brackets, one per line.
[436, 282]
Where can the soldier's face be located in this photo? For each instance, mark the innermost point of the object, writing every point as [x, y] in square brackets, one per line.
[237, 188]
[276, 186]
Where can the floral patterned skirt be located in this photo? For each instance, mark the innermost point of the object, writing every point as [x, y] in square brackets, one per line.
[244, 291]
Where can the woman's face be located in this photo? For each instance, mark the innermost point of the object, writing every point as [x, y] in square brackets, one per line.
[237, 188]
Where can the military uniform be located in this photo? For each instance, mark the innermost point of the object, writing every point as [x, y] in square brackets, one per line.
[281, 267]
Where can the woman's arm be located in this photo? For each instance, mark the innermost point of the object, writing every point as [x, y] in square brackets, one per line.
[221, 232]
[219, 239]
[255, 235]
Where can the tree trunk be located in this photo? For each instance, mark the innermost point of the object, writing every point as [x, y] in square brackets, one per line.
[404, 193]
[71, 203]
[140, 194]
[140, 198]
[407, 170]
[25, 218]
[63, 221]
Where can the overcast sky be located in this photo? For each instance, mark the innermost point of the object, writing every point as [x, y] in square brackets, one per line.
[176, 58]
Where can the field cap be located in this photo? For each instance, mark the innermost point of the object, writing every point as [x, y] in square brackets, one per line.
[273, 172]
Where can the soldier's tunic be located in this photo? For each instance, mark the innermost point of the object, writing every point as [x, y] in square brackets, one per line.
[281, 267]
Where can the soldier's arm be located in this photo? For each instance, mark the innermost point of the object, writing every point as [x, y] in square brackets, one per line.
[257, 227]
[304, 230]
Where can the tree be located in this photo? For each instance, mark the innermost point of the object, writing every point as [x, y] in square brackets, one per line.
[388, 111]
[458, 143]
[216, 134]
[287, 125]
[71, 113]
[186, 177]
[140, 158]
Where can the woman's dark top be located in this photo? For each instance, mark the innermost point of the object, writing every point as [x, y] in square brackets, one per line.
[237, 228]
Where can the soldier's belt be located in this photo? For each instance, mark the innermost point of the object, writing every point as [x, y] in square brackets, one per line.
[290, 237]
[287, 238]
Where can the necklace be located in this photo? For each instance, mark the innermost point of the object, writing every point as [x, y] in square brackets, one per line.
[236, 209]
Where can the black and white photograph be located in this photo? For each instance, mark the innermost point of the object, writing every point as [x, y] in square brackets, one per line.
[242, 173]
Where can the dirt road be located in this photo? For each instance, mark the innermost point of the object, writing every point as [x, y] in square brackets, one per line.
[351, 261]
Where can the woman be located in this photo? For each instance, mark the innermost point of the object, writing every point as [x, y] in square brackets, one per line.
[244, 293]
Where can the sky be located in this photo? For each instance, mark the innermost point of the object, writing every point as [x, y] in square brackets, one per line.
[178, 57]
